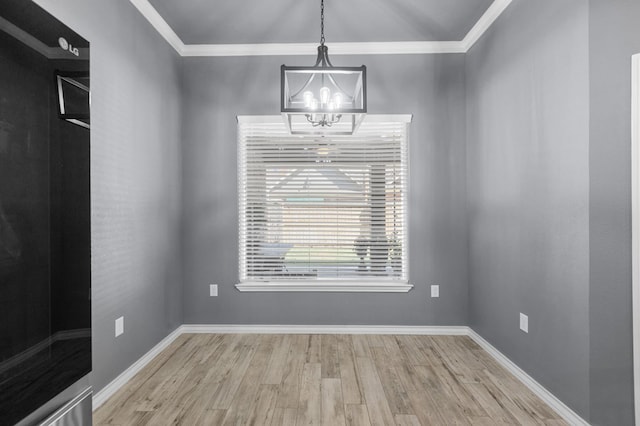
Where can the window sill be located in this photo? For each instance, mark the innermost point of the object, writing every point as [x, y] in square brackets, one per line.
[325, 286]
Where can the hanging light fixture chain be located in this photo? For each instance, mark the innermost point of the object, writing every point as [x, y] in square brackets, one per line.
[322, 22]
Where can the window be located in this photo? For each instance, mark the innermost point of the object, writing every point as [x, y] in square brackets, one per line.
[323, 212]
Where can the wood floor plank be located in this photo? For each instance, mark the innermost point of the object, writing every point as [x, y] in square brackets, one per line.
[375, 341]
[207, 349]
[140, 419]
[244, 398]
[395, 392]
[332, 403]
[189, 414]
[162, 400]
[310, 402]
[292, 376]
[411, 351]
[466, 368]
[489, 403]
[284, 417]
[489, 362]
[361, 346]
[555, 422]
[314, 349]
[211, 417]
[408, 377]
[522, 397]
[504, 396]
[278, 362]
[487, 421]
[329, 357]
[393, 349]
[376, 400]
[230, 350]
[208, 379]
[265, 406]
[169, 401]
[230, 382]
[429, 349]
[425, 407]
[456, 394]
[458, 401]
[407, 420]
[184, 402]
[357, 415]
[349, 379]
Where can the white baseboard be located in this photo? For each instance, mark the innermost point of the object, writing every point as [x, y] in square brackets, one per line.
[105, 393]
[323, 329]
[550, 399]
[565, 412]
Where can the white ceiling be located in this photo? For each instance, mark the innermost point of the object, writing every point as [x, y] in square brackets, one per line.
[298, 21]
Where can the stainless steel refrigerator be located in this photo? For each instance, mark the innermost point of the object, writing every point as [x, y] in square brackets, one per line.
[45, 230]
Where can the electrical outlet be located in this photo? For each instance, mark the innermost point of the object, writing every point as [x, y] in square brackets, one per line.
[524, 322]
[435, 291]
[213, 290]
[119, 326]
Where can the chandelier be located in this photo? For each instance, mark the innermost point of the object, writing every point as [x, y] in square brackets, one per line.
[322, 98]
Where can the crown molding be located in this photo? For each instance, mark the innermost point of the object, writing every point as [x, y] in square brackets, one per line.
[158, 22]
[309, 49]
[484, 23]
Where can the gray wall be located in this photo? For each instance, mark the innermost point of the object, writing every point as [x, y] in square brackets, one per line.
[614, 35]
[429, 86]
[528, 186]
[136, 178]
[544, 230]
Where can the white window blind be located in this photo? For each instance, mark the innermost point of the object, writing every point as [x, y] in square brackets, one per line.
[323, 208]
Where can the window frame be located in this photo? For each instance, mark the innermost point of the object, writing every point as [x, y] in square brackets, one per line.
[326, 285]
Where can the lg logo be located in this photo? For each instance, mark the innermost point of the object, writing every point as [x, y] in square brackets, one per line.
[65, 45]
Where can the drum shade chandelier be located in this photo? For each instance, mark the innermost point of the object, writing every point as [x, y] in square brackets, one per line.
[322, 98]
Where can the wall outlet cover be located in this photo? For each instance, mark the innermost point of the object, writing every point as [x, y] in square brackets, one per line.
[213, 290]
[435, 291]
[524, 323]
[119, 326]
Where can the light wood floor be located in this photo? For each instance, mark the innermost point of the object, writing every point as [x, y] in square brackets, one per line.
[214, 379]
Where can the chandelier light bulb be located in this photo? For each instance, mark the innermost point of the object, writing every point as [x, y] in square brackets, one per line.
[308, 98]
[337, 100]
[314, 104]
[325, 95]
[331, 106]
